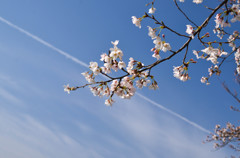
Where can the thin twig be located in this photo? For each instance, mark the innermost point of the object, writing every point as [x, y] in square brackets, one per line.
[227, 56]
[184, 14]
[185, 55]
[165, 26]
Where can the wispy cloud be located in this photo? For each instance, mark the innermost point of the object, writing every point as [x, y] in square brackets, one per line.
[136, 130]
[74, 59]
[24, 136]
[152, 133]
[10, 98]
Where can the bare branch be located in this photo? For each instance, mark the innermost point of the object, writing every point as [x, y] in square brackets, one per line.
[184, 14]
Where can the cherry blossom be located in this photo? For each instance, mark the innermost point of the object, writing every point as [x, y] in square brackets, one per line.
[136, 21]
[154, 85]
[197, 1]
[109, 102]
[166, 47]
[152, 10]
[121, 64]
[213, 54]
[158, 43]
[67, 88]
[181, 73]
[190, 31]
[152, 32]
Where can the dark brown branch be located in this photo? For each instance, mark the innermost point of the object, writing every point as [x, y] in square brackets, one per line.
[106, 75]
[185, 56]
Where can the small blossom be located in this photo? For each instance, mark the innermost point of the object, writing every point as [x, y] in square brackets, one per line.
[121, 65]
[152, 10]
[106, 70]
[156, 54]
[114, 55]
[238, 69]
[96, 71]
[115, 67]
[107, 59]
[67, 88]
[153, 86]
[114, 85]
[130, 65]
[204, 79]
[213, 59]
[136, 21]
[142, 83]
[106, 92]
[196, 54]
[109, 102]
[115, 43]
[158, 43]
[88, 77]
[190, 31]
[181, 73]
[166, 47]
[197, 1]
[151, 32]
[236, 11]
[93, 65]
[115, 52]
[95, 91]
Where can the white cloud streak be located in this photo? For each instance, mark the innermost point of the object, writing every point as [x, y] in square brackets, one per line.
[174, 113]
[43, 42]
[74, 59]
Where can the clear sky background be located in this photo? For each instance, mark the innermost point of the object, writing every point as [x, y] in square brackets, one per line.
[38, 119]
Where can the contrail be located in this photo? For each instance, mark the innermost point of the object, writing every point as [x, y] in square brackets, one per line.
[174, 113]
[43, 42]
[86, 65]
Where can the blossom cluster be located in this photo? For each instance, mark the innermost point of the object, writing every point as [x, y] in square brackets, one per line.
[213, 54]
[221, 19]
[159, 44]
[232, 39]
[181, 72]
[124, 86]
[223, 136]
[237, 60]
[210, 53]
[212, 70]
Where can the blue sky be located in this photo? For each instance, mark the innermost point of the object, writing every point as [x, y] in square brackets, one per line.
[38, 119]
